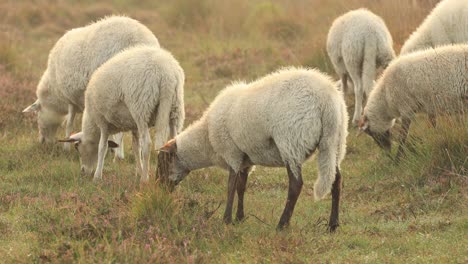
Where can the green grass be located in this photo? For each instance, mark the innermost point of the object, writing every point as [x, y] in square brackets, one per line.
[415, 211]
[389, 213]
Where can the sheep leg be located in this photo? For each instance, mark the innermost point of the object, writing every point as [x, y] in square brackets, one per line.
[240, 193]
[136, 153]
[295, 187]
[232, 184]
[358, 98]
[336, 190]
[173, 129]
[145, 144]
[344, 83]
[102, 150]
[405, 124]
[119, 151]
[69, 125]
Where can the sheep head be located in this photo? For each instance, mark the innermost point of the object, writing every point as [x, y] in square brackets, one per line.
[48, 121]
[88, 151]
[170, 170]
[382, 139]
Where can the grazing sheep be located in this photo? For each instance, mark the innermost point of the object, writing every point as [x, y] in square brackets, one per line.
[358, 43]
[72, 61]
[446, 24]
[430, 81]
[138, 88]
[276, 121]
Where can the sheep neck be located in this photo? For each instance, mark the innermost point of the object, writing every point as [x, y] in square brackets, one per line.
[417, 42]
[380, 111]
[194, 148]
[54, 100]
[91, 132]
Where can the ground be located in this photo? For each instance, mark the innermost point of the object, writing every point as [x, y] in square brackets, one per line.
[414, 211]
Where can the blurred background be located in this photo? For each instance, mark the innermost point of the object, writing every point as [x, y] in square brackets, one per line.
[216, 41]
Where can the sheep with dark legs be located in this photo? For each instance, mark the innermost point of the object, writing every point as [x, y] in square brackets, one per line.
[277, 121]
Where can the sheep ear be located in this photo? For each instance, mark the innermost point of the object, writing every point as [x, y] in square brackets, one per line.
[112, 144]
[73, 138]
[363, 124]
[169, 147]
[69, 140]
[36, 106]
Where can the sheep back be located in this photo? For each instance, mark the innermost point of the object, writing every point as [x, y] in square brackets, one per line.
[277, 120]
[79, 52]
[430, 81]
[446, 24]
[353, 31]
[143, 84]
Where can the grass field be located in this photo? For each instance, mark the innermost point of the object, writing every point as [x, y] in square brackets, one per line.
[414, 212]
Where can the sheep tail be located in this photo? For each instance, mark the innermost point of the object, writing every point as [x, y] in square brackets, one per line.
[332, 149]
[161, 125]
[178, 112]
[170, 115]
[327, 171]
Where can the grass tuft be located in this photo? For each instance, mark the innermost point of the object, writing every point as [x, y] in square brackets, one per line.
[155, 204]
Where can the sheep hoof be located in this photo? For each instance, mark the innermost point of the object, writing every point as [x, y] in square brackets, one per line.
[97, 179]
[240, 218]
[227, 220]
[282, 226]
[332, 228]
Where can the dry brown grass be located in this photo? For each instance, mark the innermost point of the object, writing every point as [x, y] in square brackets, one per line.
[49, 213]
[216, 41]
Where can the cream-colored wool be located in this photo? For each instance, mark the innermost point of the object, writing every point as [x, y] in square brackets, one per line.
[72, 61]
[359, 43]
[429, 81]
[275, 121]
[446, 24]
[138, 88]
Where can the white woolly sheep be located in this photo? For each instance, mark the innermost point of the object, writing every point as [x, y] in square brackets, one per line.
[359, 43]
[136, 89]
[72, 61]
[276, 121]
[446, 24]
[430, 81]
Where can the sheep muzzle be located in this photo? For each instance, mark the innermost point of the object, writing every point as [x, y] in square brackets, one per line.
[163, 170]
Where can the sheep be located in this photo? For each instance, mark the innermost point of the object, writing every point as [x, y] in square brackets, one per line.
[359, 43]
[72, 60]
[431, 81]
[138, 88]
[277, 121]
[446, 24]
